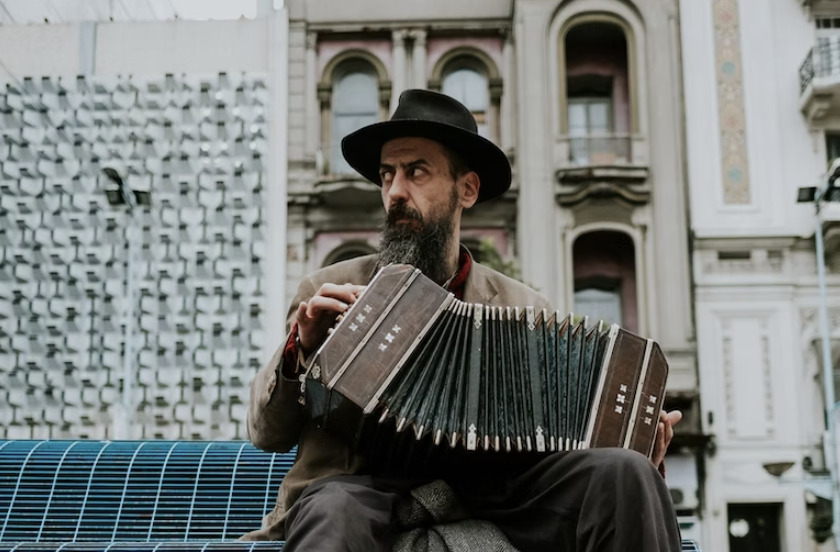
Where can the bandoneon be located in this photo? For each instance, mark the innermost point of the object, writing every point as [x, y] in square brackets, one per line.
[410, 356]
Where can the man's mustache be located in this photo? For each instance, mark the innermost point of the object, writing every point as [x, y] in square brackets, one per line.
[401, 211]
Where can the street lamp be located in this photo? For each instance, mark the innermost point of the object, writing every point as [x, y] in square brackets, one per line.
[826, 192]
[119, 193]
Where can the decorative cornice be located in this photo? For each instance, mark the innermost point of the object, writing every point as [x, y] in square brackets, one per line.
[625, 174]
[568, 196]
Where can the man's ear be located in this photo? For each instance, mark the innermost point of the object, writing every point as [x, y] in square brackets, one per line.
[471, 186]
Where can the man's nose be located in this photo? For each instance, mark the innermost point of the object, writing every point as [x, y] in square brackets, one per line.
[399, 187]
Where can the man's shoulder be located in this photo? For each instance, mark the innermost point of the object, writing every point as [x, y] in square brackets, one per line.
[510, 292]
[358, 270]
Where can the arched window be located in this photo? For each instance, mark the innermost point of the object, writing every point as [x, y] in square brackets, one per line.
[470, 75]
[598, 107]
[605, 278]
[348, 250]
[355, 103]
[465, 79]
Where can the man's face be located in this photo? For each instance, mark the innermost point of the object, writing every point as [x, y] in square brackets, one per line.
[422, 204]
[416, 172]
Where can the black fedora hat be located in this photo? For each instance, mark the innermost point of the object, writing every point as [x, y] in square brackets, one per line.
[426, 114]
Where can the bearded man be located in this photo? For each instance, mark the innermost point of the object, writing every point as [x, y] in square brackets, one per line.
[431, 165]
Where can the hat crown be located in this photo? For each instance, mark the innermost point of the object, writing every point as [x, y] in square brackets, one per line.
[424, 105]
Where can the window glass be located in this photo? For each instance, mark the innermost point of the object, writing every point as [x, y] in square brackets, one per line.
[355, 103]
[832, 146]
[590, 129]
[466, 83]
[599, 304]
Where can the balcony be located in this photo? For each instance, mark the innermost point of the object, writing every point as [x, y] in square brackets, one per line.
[819, 83]
[601, 165]
[605, 149]
[828, 6]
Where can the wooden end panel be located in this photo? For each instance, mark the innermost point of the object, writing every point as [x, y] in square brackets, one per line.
[615, 402]
[394, 336]
[650, 399]
[360, 318]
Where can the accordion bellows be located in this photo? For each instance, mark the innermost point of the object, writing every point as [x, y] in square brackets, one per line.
[481, 378]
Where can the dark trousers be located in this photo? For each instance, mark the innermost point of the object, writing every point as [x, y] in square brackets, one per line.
[605, 500]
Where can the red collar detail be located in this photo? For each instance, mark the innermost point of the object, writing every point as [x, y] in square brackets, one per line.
[456, 286]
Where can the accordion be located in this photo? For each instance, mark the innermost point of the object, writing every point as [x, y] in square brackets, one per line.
[409, 363]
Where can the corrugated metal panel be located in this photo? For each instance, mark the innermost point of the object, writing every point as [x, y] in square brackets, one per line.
[143, 547]
[97, 491]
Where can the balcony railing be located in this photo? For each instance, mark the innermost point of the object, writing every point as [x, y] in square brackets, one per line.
[599, 149]
[823, 60]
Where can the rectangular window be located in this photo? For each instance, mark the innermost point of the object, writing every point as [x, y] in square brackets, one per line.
[832, 146]
[591, 131]
[599, 304]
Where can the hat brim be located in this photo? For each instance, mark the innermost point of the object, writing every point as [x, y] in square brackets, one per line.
[362, 150]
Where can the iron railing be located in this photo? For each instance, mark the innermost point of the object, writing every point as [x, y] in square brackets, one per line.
[823, 60]
[603, 149]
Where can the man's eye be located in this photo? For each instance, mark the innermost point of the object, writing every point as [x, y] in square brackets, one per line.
[415, 171]
[385, 176]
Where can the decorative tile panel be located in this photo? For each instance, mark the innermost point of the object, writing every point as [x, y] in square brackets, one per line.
[732, 120]
[197, 144]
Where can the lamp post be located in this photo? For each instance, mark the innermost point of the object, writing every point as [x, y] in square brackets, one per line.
[119, 193]
[826, 192]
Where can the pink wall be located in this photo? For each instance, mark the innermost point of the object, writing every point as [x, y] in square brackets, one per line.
[382, 48]
[499, 238]
[327, 49]
[437, 47]
[326, 242]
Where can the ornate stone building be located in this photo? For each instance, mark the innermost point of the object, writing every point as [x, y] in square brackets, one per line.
[761, 82]
[657, 147]
[585, 97]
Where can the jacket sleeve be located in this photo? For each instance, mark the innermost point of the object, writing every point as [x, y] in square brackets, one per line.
[275, 417]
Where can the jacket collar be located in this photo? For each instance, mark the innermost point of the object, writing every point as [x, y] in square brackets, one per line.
[479, 287]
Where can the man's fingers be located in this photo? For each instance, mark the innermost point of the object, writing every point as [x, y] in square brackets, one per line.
[319, 306]
[674, 417]
[346, 293]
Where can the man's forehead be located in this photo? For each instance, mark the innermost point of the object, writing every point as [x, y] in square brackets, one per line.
[409, 149]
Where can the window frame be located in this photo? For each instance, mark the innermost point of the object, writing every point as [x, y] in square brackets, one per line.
[325, 98]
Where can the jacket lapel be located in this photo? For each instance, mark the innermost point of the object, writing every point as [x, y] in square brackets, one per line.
[479, 287]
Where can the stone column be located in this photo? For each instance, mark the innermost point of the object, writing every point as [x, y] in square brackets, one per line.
[398, 66]
[507, 130]
[419, 55]
[538, 238]
[313, 135]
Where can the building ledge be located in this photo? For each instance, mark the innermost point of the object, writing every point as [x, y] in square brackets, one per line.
[577, 184]
[340, 191]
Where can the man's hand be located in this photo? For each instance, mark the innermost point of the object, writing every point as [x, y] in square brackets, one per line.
[664, 434]
[316, 316]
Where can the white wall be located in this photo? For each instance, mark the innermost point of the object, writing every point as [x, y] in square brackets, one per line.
[138, 48]
[782, 154]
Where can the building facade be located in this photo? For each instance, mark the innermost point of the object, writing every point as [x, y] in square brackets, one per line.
[657, 148]
[760, 82]
[585, 97]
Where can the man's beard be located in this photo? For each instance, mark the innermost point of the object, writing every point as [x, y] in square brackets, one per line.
[421, 243]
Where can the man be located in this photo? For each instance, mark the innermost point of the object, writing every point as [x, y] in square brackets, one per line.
[432, 164]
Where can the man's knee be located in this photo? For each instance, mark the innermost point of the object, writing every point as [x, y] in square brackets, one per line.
[339, 499]
[346, 513]
[626, 460]
[623, 467]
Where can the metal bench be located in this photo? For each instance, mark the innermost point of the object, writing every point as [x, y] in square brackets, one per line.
[143, 496]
